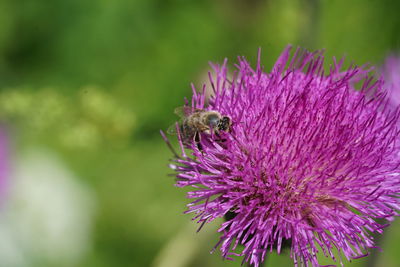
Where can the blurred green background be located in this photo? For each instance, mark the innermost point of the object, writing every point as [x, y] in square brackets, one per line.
[85, 87]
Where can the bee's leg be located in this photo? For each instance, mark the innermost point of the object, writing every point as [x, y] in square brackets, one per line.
[197, 140]
[219, 138]
[217, 135]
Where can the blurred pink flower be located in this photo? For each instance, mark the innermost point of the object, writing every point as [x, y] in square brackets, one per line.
[391, 74]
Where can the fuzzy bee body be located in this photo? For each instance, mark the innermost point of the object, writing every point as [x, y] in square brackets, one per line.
[196, 121]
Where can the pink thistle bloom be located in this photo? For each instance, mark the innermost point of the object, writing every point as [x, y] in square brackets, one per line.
[307, 159]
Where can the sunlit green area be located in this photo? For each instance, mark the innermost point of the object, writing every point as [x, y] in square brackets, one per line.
[85, 86]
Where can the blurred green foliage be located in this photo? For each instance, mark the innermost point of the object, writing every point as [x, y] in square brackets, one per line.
[96, 80]
[84, 120]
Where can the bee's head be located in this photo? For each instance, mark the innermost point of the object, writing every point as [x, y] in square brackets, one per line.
[224, 123]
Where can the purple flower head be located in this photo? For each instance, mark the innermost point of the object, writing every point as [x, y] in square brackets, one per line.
[391, 73]
[306, 159]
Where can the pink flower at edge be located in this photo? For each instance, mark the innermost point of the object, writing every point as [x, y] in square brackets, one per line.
[307, 159]
[391, 74]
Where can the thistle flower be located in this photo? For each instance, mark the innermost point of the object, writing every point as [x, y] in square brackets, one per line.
[307, 159]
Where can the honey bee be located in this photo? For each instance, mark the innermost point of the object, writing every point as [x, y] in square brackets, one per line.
[196, 121]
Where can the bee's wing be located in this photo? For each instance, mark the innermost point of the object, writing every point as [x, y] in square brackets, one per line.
[172, 129]
[176, 128]
[185, 111]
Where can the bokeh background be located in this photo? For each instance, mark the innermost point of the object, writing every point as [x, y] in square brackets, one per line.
[85, 87]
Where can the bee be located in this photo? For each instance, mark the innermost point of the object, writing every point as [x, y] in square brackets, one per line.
[196, 121]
